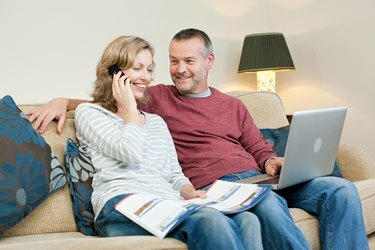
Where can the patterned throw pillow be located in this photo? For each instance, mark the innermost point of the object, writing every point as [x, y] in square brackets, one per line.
[278, 138]
[80, 173]
[29, 170]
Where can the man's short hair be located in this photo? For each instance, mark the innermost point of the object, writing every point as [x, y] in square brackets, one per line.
[195, 33]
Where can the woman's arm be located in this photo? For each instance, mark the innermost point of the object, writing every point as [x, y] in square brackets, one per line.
[104, 132]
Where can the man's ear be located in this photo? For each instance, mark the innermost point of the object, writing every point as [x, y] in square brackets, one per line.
[210, 60]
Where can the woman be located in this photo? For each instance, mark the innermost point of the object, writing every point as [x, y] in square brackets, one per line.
[132, 151]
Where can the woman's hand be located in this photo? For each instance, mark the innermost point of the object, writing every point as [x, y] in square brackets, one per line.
[123, 94]
[200, 194]
[189, 192]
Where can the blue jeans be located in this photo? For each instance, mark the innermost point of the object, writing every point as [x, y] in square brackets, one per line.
[334, 201]
[205, 229]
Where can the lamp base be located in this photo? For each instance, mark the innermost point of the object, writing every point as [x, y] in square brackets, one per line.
[266, 81]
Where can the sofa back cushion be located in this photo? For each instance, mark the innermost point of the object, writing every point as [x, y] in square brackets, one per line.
[266, 108]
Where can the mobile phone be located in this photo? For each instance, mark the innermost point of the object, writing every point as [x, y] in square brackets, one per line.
[114, 69]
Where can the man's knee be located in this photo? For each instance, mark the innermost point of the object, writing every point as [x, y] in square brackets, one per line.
[338, 192]
[271, 203]
[338, 187]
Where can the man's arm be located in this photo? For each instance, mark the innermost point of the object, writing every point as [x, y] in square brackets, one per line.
[56, 109]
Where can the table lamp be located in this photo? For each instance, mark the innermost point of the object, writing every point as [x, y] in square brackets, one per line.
[265, 54]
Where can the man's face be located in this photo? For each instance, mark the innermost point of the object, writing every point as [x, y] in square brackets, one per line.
[189, 65]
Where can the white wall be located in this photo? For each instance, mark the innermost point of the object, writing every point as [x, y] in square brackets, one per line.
[50, 48]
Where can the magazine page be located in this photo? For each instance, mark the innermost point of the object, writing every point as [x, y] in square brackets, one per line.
[231, 197]
[160, 216]
[156, 215]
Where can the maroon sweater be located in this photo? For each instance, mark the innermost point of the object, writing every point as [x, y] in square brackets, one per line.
[214, 135]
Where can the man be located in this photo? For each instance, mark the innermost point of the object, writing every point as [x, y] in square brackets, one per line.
[210, 147]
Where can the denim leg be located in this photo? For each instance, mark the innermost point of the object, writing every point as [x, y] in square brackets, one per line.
[336, 203]
[250, 230]
[111, 223]
[278, 228]
[210, 229]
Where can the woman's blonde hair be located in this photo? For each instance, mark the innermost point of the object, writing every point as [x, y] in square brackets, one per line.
[122, 52]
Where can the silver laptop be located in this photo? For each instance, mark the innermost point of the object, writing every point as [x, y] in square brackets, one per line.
[313, 140]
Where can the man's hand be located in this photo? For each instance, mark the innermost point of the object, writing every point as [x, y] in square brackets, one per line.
[274, 165]
[54, 109]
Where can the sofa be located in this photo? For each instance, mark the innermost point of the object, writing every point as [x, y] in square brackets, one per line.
[52, 224]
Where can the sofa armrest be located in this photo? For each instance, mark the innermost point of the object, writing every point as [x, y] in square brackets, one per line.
[355, 164]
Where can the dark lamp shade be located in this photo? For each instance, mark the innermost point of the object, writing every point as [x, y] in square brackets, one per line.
[265, 51]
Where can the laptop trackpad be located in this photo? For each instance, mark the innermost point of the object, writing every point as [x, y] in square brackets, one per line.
[261, 179]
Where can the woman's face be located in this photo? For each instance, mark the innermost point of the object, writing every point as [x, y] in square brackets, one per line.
[140, 73]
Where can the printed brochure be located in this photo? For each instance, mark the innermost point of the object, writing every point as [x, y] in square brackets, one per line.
[160, 216]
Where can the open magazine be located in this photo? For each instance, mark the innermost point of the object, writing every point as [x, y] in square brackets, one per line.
[159, 216]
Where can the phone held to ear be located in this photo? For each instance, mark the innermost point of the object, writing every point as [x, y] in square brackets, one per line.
[114, 69]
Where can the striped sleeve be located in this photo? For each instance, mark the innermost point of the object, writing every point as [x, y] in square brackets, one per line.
[97, 128]
[176, 177]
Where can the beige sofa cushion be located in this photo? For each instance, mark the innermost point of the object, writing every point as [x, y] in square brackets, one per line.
[355, 164]
[366, 190]
[266, 108]
[67, 241]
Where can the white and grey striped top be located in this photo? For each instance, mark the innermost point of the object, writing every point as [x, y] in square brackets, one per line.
[128, 158]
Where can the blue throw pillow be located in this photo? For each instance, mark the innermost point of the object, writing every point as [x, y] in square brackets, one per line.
[80, 174]
[278, 137]
[29, 170]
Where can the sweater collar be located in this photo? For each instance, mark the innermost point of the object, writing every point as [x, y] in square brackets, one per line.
[206, 93]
